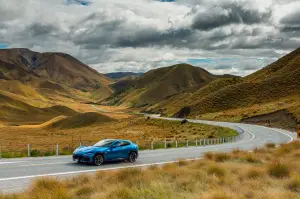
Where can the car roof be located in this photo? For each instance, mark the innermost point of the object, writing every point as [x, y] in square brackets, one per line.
[121, 140]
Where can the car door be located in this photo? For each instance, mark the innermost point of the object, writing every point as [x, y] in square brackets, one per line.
[112, 153]
[124, 149]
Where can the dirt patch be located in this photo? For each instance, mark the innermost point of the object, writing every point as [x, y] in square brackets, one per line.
[280, 119]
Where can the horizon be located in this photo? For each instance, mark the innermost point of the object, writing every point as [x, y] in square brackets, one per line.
[143, 72]
[239, 37]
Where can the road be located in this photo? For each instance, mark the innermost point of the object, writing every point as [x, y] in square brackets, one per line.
[18, 174]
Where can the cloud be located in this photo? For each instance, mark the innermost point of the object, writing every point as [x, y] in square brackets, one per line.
[218, 16]
[141, 35]
[291, 22]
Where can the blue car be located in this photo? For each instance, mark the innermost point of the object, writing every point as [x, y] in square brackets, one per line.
[106, 150]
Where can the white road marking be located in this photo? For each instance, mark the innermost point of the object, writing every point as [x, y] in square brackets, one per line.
[43, 164]
[1, 163]
[93, 170]
[291, 138]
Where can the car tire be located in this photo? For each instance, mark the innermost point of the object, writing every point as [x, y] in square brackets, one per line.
[98, 160]
[132, 157]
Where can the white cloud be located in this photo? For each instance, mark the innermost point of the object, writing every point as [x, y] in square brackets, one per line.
[139, 35]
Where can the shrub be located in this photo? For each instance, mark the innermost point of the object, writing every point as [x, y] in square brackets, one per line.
[222, 157]
[252, 159]
[278, 170]
[294, 184]
[48, 188]
[216, 170]
[208, 155]
[270, 145]
[182, 163]
[84, 191]
[254, 173]
[35, 153]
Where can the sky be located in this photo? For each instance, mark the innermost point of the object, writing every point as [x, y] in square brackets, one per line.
[223, 36]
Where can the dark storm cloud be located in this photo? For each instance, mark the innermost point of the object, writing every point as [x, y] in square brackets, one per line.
[291, 22]
[226, 15]
[154, 37]
[291, 19]
[38, 29]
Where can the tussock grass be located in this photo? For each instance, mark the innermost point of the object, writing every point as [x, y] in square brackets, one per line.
[220, 176]
[270, 145]
[278, 170]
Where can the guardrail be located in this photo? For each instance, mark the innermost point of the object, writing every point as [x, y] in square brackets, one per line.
[35, 150]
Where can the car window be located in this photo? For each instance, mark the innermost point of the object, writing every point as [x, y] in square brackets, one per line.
[104, 143]
[124, 143]
[116, 143]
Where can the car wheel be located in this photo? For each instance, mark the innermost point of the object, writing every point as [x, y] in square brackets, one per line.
[98, 160]
[132, 157]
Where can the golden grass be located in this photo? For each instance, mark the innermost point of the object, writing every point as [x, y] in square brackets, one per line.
[137, 129]
[208, 179]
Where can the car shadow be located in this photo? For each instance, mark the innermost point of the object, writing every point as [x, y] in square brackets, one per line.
[115, 162]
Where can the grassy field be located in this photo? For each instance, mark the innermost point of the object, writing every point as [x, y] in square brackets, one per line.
[44, 137]
[267, 173]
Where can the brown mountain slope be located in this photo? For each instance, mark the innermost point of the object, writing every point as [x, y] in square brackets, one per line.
[18, 112]
[27, 66]
[275, 82]
[171, 105]
[158, 84]
[80, 120]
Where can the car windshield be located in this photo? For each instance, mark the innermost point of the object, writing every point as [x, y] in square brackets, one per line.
[104, 143]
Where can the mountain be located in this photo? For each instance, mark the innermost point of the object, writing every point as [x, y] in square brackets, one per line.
[273, 88]
[159, 84]
[32, 83]
[120, 75]
[31, 67]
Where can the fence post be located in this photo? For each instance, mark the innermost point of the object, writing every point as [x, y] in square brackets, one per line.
[165, 143]
[57, 149]
[152, 147]
[28, 150]
[176, 144]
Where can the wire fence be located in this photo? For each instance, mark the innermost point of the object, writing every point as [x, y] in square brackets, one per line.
[36, 150]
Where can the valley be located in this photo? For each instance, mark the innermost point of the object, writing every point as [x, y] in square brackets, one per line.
[49, 98]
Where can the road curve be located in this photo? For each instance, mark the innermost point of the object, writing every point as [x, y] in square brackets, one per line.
[17, 174]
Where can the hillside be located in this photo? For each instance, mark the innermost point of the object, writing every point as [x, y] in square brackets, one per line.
[274, 85]
[15, 112]
[158, 84]
[43, 69]
[23, 64]
[30, 81]
[80, 120]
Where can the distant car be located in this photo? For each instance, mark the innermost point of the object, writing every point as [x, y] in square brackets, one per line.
[106, 150]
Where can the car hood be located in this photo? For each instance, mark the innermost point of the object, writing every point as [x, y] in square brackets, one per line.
[89, 149]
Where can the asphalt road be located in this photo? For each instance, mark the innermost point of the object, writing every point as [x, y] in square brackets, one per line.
[17, 174]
